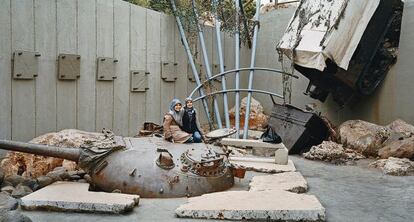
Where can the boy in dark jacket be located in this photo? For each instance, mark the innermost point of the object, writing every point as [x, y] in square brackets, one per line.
[190, 121]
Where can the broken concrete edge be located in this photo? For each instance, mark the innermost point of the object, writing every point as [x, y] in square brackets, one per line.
[246, 143]
[288, 181]
[264, 167]
[67, 196]
[275, 205]
[77, 207]
[255, 215]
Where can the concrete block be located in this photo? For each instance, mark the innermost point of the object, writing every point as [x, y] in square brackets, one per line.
[70, 196]
[281, 156]
[262, 165]
[290, 181]
[250, 143]
[275, 205]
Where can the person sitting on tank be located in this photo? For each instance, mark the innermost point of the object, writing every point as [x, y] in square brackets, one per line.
[173, 122]
[190, 121]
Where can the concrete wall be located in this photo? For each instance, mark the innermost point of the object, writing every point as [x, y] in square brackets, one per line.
[393, 99]
[139, 38]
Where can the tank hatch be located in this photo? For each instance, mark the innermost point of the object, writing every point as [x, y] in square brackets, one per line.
[203, 162]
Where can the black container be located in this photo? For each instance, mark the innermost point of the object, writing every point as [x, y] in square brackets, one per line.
[299, 130]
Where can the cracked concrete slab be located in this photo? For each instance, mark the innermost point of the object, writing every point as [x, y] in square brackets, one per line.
[290, 181]
[71, 196]
[276, 205]
[262, 165]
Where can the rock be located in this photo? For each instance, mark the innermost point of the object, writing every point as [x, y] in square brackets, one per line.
[13, 216]
[290, 181]
[21, 191]
[395, 166]
[58, 174]
[7, 202]
[364, 137]
[14, 179]
[257, 119]
[5, 184]
[331, 152]
[69, 165]
[8, 189]
[36, 166]
[74, 177]
[1, 175]
[275, 205]
[403, 148]
[44, 181]
[70, 196]
[401, 127]
[31, 183]
[87, 178]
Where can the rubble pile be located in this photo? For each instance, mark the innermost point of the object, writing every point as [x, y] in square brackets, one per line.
[257, 119]
[364, 137]
[393, 144]
[332, 152]
[33, 166]
[395, 166]
[14, 187]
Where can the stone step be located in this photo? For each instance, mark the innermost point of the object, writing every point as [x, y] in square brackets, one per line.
[289, 181]
[277, 205]
[71, 196]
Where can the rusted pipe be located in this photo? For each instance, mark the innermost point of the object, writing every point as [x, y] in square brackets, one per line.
[44, 150]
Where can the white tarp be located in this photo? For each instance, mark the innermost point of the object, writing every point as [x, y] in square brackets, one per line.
[322, 29]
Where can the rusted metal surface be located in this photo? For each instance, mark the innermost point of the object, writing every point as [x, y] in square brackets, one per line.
[147, 166]
[197, 169]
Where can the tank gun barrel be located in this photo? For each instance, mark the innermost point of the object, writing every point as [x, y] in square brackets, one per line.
[44, 150]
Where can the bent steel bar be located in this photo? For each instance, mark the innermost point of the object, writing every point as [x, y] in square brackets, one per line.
[221, 63]
[252, 62]
[191, 60]
[236, 67]
[206, 64]
[239, 70]
[239, 90]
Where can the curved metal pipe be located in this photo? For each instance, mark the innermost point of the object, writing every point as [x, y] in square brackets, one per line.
[238, 90]
[44, 150]
[238, 70]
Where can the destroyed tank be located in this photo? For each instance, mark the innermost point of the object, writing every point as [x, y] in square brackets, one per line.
[148, 166]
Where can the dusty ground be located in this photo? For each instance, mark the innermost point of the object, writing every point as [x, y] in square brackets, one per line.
[349, 193]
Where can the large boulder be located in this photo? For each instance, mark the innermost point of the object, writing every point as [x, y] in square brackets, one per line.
[364, 137]
[402, 127]
[35, 166]
[395, 166]
[400, 148]
[13, 216]
[257, 119]
[332, 152]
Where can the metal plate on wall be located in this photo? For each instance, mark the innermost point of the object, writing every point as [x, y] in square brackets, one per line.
[190, 74]
[106, 69]
[68, 66]
[25, 64]
[169, 71]
[139, 80]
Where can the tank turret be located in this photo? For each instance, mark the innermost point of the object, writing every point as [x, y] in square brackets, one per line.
[148, 166]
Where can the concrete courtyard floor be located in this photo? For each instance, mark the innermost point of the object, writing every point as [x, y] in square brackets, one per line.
[349, 193]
